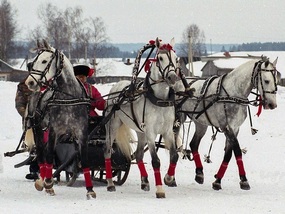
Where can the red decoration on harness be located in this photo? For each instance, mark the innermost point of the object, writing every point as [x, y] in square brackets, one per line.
[152, 42]
[147, 64]
[167, 47]
[259, 107]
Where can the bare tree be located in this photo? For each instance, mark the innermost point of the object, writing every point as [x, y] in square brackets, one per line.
[198, 41]
[56, 29]
[8, 29]
[73, 19]
[69, 31]
[98, 35]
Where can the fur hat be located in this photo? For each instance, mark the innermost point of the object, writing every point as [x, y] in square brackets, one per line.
[81, 70]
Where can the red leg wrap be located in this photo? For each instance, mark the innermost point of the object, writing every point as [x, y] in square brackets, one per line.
[49, 168]
[171, 169]
[197, 159]
[240, 165]
[87, 177]
[142, 169]
[157, 177]
[108, 169]
[46, 133]
[222, 170]
[42, 167]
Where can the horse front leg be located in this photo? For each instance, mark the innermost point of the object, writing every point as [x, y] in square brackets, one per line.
[139, 158]
[169, 178]
[155, 161]
[194, 146]
[48, 166]
[40, 151]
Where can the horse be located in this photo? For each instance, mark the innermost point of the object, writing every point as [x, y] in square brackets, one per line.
[222, 102]
[149, 112]
[67, 112]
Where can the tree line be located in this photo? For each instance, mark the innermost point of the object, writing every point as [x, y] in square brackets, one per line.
[258, 46]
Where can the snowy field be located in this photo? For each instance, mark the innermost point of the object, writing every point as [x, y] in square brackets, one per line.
[264, 163]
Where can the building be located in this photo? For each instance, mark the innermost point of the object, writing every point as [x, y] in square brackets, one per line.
[8, 73]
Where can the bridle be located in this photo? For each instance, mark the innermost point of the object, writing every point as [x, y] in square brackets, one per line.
[43, 81]
[164, 72]
[256, 78]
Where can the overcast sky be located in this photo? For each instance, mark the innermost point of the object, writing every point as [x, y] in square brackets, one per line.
[132, 21]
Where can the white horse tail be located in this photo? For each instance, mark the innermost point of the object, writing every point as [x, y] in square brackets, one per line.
[29, 139]
[124, 137]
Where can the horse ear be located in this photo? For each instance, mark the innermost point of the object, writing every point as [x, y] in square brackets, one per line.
[46, 45]
[39, 45]
[157, 42]
[275, 62]
[172, 42]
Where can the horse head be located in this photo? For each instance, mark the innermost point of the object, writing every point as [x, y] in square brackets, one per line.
[47, 64]
[166, 62]
[265, 78]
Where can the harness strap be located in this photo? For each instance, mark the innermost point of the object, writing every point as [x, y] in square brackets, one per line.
[155, 100]
[71, 102]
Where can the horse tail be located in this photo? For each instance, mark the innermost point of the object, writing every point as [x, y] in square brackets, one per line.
[29, 139]
[124, 137]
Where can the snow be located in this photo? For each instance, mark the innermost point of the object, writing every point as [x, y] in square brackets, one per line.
[264, 163]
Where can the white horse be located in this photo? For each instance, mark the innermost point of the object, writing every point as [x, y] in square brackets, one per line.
[149, 113]
[67, 109]
[222, 102]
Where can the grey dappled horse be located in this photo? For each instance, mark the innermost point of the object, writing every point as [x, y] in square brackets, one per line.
[67, 112]
[149, 113]
[222, 102]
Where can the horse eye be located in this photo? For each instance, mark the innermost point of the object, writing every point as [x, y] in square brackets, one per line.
[266, 81]
[44, 61]
[160, 58]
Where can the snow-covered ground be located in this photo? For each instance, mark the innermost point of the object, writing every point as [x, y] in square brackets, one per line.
[264, 164]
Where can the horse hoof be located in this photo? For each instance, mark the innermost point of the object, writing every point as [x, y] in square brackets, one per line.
[170, 181]
[111, 188]
[50, 191]
[244, 185]
[145, 187]
[90, 194]
[145, 184]
[39, 184]
[48, 183]
[216, 186]
[160, 195]
[199, 178]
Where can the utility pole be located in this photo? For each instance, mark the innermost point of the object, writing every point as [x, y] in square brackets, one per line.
[190, 56]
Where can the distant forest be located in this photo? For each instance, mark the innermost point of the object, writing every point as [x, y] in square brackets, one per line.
[129, 50]
[257, 46]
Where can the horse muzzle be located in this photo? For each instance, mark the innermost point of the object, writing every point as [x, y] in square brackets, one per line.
[171, 79]
[269, 105]
[32, 85]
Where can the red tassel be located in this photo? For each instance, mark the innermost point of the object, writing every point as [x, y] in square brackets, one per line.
[259, 107]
